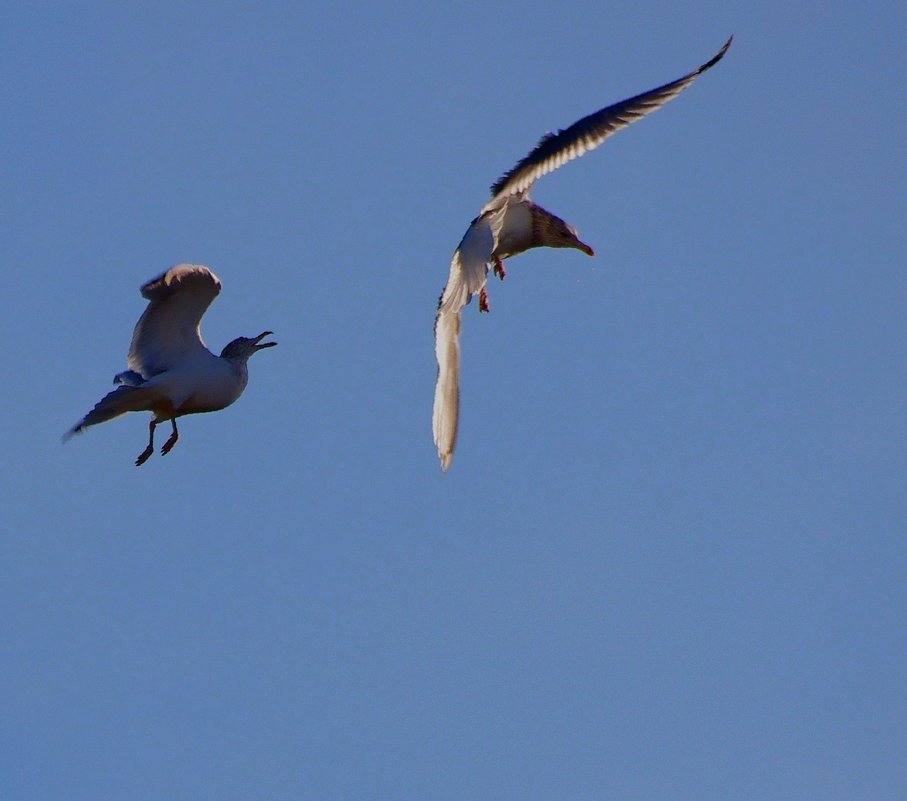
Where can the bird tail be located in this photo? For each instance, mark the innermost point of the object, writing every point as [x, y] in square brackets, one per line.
[123, 399]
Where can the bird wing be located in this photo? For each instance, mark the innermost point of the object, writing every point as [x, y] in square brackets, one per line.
[468, 271]
[446, 411]
[556, 149]
[168, 333]
[469, 265]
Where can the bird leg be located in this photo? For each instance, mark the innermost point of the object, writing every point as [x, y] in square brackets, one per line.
[483, 300]
[173, 438]
[143, 456]
[499, 270]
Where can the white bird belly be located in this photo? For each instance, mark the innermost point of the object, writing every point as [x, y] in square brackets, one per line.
[201, 387]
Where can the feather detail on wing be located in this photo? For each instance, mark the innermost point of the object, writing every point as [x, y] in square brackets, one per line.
[446, 411]
[123, 399]
[468, 274]
[556, 149]
[469, 265]
[168, 330]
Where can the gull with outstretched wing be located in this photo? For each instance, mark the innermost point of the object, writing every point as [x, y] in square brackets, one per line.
[170, 371]
[510, 223]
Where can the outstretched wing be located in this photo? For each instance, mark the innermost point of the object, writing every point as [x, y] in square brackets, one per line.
[167, 333]
[446, 412]
[588, 133]
[468, 272]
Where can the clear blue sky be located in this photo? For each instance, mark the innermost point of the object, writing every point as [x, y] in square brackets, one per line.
[669, 559]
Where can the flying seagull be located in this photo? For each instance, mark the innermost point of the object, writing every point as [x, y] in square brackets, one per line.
[510, 223]
[171, 372]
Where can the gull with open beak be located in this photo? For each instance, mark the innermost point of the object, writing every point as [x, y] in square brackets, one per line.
[170, 371]
[510, 223]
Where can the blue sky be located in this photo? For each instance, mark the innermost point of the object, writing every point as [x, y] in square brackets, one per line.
[668, 561]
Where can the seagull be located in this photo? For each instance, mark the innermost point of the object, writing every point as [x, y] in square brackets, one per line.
[170, 370]
[510, 223]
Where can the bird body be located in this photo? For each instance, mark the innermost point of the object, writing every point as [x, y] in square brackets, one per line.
[517, 229]
[511, 223]
[203, 385]
[527, 225]
[171, 372]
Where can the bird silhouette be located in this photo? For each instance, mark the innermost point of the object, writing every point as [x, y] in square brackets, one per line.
[171, 372]
[510, 223]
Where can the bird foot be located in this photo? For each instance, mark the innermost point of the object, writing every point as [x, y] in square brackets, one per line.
[168, 445]
[499, 270]
[483, 301]
[144, 455]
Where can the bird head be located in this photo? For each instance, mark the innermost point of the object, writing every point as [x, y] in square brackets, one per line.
[243, 347]
[551, 231]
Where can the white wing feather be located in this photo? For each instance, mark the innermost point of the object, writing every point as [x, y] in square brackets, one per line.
[167, 333]
[468, 273]
[446, 412]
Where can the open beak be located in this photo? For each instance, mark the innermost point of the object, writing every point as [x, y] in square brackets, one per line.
[259, 345]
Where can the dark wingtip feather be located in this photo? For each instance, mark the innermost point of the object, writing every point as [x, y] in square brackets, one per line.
[717, 57]
[78, 428]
